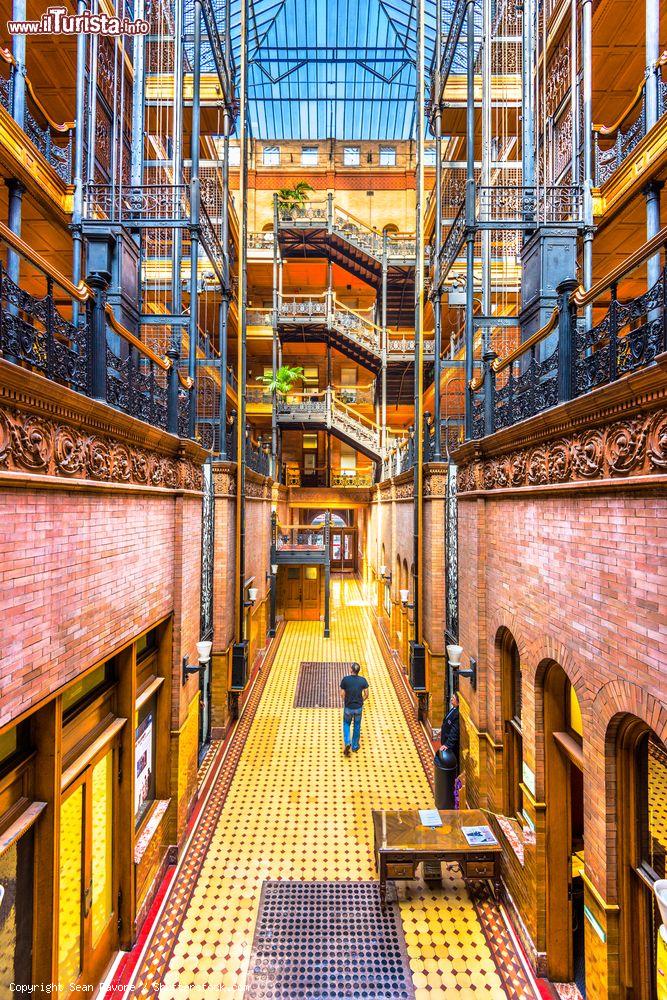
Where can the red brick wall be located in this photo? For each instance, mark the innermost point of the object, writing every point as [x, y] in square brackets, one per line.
[82, 574]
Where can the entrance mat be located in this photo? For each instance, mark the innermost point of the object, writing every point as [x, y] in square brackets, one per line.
[318, 683]
[327, 941]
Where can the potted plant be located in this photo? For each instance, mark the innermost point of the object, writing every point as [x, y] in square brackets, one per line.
[290, 200]
[283, 380]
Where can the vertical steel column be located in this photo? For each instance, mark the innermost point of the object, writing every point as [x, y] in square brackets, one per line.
[274, 352]
[225, 292]
[92, 102]
[195, 196]
[587, 67]
[528, 97]
[486, 154]
[241, 338]
[470, 215]
[652, 191]
[418, 513]
[177, 173]
[384, 351]
[18, 106]
[77, 200]
[574, 91]
[437, 291]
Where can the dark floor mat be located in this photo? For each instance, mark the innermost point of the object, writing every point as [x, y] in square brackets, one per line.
[318, 684]
[327, 941]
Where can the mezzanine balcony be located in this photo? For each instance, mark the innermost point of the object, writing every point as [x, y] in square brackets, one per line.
[593, 339]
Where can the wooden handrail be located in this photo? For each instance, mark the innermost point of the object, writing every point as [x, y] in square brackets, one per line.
[56, 126]
[80, 292]
[609, 130]
[500, 364]
[580, 297]
[122, 331]
[357, 416]
[354, 312]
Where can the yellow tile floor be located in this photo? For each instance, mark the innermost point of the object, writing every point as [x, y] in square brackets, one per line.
[297, 809]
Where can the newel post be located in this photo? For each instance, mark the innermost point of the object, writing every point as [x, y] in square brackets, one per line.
[567, 324]
[99, 282]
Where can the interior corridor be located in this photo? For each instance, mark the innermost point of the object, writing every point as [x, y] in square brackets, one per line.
[286, 804]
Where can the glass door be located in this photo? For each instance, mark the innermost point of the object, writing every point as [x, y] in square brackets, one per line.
[87, 925]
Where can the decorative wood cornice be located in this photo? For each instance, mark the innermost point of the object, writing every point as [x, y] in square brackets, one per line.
[47, 430]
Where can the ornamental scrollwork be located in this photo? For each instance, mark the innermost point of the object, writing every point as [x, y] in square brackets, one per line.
[629, 447]
[29, 442]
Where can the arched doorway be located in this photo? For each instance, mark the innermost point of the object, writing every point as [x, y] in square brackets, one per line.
[641, 784]
[564, 795]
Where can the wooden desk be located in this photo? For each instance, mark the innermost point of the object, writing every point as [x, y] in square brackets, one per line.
[401, 843]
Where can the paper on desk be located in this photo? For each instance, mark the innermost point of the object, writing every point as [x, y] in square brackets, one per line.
[478, 836]
[430, 817]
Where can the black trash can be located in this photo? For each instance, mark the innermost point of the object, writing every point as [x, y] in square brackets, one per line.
[446, 768]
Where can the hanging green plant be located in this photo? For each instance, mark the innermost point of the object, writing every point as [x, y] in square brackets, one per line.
[283, 380]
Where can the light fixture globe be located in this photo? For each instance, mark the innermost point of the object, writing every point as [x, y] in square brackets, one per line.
[252, 594]
[454, 654]
[383, 570]
[404, 596]
[204, 651]
[274, 569]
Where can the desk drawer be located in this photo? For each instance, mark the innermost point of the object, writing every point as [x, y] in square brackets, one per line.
[400, 870]
[480, 869]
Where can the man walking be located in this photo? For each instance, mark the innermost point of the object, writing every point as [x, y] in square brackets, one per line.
[354, 692]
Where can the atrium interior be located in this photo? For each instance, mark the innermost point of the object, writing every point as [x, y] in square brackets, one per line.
[333, 348]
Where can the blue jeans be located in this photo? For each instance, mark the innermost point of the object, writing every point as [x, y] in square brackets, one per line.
[352, 717]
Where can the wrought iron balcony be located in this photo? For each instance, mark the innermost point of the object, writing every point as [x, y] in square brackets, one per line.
[53, 139]
[628, 130]
[83, 346]
[591, 339]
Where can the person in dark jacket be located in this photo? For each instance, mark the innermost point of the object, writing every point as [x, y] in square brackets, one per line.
[449, 734]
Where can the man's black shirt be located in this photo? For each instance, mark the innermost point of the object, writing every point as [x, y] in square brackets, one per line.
[353, 685]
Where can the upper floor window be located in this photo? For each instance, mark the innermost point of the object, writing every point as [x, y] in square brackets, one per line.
[429, 156]
[387, 156]
[351, 156]
[513, 734]
[271, 156]
[234, 155]
[309, 156]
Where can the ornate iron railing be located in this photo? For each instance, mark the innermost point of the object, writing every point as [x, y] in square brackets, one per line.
[257, 456]
[54, 141]
[300, 536]
[570, 356]
[93, 353]
[355, 480]
[145, 203]
[519, 205]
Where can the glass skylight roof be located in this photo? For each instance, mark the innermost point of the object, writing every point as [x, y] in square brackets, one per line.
[342, 69]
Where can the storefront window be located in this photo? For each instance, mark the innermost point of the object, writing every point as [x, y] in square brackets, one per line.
[144, 756]
[16, 915]
[79, 694]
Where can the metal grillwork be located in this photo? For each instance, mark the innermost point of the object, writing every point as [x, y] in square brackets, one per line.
[57, 154]
[318, 684]
[452, 556]
[568, 357]
[327, 940]
[208, 502]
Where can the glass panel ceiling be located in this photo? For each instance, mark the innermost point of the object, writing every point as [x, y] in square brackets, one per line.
[342, 69]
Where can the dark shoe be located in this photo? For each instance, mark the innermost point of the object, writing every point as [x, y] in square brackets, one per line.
[347, 750]
[355, 749]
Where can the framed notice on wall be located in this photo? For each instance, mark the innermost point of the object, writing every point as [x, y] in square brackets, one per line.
[143, 757]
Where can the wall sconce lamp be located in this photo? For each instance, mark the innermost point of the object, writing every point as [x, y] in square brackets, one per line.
[405, 594]
[384, 575]
[270, 573]
[454, 654]
[252, 597]
[203, 655]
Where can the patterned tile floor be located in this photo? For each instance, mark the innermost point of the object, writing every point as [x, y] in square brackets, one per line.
[288, 805]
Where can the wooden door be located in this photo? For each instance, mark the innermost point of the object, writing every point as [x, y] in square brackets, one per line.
[310, 593]
[293, 593]
[88, 932]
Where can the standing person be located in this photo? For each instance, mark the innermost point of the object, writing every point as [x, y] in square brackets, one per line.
[354, 691]
[449, 734]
